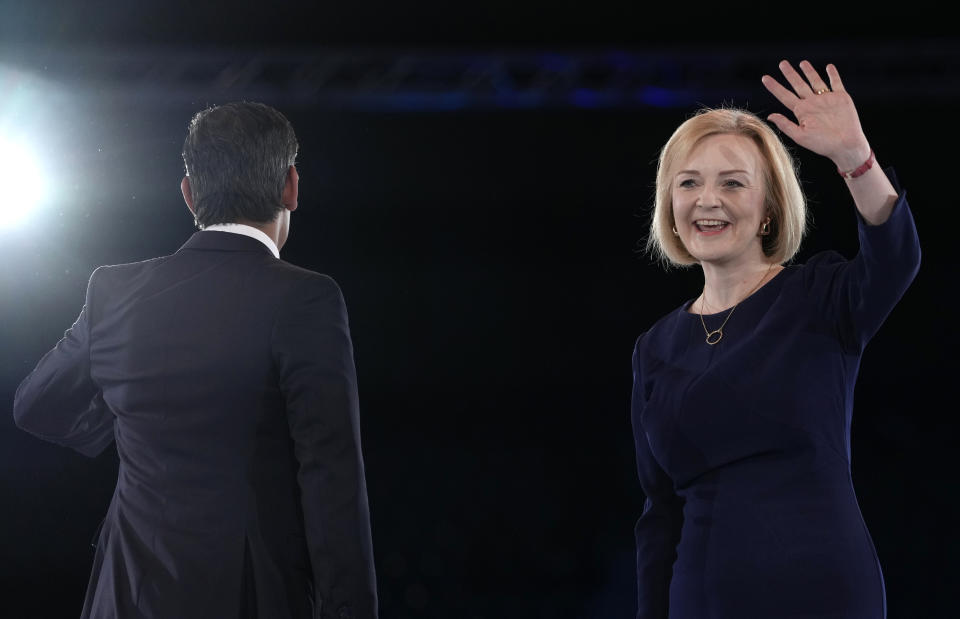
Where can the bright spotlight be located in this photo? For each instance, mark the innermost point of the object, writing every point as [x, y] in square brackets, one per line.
[21, 184]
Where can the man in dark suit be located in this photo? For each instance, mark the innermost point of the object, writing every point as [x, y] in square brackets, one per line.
[226, 377]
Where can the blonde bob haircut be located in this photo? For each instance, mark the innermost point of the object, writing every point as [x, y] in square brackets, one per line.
[784, 201]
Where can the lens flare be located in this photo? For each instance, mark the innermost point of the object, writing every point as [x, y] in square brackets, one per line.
[21, 183]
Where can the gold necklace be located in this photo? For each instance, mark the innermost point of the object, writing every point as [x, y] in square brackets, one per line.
[716, 335]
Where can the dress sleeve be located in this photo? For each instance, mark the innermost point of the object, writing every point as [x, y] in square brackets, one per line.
[658, 528]
[59, 401]
[862, 292]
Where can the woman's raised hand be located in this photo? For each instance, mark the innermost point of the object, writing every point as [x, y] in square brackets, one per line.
[826, 119]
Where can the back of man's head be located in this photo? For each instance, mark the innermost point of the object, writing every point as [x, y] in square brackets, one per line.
[237, 156]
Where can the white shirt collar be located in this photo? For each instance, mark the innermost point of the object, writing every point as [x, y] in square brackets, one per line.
[246, 230]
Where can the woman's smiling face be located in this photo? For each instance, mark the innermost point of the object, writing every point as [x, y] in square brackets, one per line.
[718, 200]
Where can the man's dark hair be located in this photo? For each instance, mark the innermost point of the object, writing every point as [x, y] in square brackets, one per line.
[237, 156]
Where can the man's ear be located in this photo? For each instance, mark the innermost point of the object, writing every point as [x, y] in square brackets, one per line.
[290, 189]
[187, 194]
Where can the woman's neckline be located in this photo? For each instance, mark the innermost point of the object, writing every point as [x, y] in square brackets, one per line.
[685, 308]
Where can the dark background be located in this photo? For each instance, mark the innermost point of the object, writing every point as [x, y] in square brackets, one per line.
[488, 252]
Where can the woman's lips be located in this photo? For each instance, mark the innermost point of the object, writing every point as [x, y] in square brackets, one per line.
[710, 227]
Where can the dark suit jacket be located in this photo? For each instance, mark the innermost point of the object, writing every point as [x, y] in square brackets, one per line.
[227, 379]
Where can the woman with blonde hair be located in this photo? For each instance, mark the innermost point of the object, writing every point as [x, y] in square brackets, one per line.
[743, 396]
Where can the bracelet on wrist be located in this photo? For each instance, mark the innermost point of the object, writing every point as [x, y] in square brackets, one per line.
[854, 173]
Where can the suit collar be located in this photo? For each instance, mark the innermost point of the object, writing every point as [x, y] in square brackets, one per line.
[224, 241]
[246, 230]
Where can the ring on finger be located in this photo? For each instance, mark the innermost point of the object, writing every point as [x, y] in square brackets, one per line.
[820, 91]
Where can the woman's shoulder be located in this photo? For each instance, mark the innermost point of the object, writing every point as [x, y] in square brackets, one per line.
[662, 330]
[823, 258]
[817, 271]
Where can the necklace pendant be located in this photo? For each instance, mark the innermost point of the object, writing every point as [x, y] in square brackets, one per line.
[714, 336]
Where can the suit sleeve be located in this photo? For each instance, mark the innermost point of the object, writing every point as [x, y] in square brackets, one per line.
[59, 401]
[314, 357]
[658, 528]
[865, 290]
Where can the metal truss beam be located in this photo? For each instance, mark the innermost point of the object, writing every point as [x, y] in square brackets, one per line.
[436, 80]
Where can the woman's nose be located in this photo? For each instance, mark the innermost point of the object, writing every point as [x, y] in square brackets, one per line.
[708, 197]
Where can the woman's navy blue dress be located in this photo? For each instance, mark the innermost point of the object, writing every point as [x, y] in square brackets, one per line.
[743, 448]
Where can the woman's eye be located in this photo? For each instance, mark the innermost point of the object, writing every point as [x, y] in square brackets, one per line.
[732, 183]
[687, 183]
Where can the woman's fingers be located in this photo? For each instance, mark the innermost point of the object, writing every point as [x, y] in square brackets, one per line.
[836, 85]
[800, 85]
[783, 95]
[784, 124]
[816, 82]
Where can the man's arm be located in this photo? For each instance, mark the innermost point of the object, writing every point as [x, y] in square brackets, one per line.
[58, 401]
[314, 359]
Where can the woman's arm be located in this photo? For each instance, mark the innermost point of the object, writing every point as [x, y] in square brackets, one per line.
[828, 124]
[859, 293]
[657, 530]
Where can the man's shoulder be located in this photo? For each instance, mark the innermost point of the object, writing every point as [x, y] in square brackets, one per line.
[289, 285]
[276, 268]
[294, 274]
[126, 269]
[280, 279]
